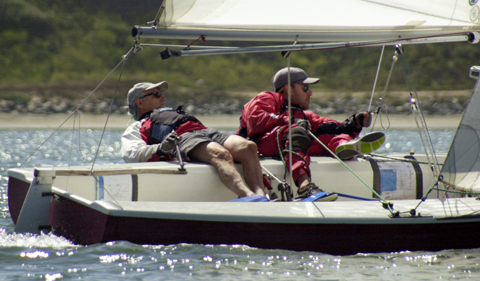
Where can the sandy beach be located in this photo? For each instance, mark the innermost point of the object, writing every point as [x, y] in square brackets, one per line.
[90, 121]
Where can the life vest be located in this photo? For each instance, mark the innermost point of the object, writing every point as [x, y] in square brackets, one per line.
[162, 121]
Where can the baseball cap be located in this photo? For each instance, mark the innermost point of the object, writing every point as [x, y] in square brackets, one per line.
[139, 88]
[297, 75]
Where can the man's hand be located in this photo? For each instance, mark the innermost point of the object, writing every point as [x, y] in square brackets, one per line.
[363, 119]
[167, 146]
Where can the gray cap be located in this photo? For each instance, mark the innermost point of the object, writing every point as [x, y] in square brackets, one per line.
[139, 88]
[297, 75]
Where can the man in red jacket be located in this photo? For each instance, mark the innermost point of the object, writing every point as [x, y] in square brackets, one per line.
[265, 121]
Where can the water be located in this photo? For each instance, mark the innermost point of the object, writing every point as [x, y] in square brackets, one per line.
[47, 257]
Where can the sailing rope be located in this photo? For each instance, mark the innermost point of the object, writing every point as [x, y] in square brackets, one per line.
[109, 110]
[282, 151]
[376, 78]
[418, 114]
[79, 138]
[75, 113]
[382, 200]
[122, 62]
[289, 82]
[202, 37]
[76, 109]
[401, 159]
[381, 101]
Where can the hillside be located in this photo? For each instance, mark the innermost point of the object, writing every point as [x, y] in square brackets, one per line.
[55, 52]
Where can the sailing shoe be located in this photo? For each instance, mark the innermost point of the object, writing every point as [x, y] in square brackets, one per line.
[312, 190]
[364, 145]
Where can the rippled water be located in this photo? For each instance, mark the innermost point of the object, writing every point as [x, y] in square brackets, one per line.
[47, 257]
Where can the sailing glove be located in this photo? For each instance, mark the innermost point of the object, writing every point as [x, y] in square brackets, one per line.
[363, 119]
[326, 128]
[168, 145]
[352, 125]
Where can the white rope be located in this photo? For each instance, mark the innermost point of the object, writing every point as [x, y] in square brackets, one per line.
[419, 118]
[290, 163]
[376, 77]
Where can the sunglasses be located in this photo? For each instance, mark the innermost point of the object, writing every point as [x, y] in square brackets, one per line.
[306, 88]
[155, 94]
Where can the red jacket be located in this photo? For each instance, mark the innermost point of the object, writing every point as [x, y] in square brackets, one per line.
[268, 110]
[267, 113]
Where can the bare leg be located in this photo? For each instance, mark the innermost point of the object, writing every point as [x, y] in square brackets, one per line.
[245, 152]
[215, 154]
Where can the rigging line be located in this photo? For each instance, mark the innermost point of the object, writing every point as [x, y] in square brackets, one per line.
[416, 107]
[281, 154]
[75, 110]
[381, 101]
[376, 77]
[109, 112]
[72, 140]
[418, 114]
[79, 140]
[290, 161]
[455, 191]
[425, 145]
[297, 154]
[271, 174]
[417, 100]
[420, 110]
[289, 120]
[104, 129]
[384, 93]
[382, 200]
[400, 159]
[106, 190]
[435, 187]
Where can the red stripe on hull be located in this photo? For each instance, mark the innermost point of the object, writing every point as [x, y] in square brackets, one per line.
[17, 192]
[86, 226]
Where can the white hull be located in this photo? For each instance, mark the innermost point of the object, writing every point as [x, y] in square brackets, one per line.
[174, 210]
[151, 181]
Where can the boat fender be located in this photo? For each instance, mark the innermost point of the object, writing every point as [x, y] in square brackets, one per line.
[386, 183]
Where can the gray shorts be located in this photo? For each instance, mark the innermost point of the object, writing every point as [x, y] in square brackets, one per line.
[190, 140]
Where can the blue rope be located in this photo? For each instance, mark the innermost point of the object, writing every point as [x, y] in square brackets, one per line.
[356, 197]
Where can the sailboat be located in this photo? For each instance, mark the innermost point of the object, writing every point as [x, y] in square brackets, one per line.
[388, 203]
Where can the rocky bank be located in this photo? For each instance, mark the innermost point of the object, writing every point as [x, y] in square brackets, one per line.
[54, 99]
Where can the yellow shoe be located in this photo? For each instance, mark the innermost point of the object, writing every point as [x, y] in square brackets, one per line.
[364, 145]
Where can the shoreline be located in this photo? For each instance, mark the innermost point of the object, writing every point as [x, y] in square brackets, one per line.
[221, 121]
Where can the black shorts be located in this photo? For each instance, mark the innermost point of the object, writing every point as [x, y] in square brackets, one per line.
[190, 140]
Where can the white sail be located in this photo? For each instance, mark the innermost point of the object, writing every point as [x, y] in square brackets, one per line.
[313, 20]
[461, 169]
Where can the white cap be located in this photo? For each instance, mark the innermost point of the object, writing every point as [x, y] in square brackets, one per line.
[139, 88]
